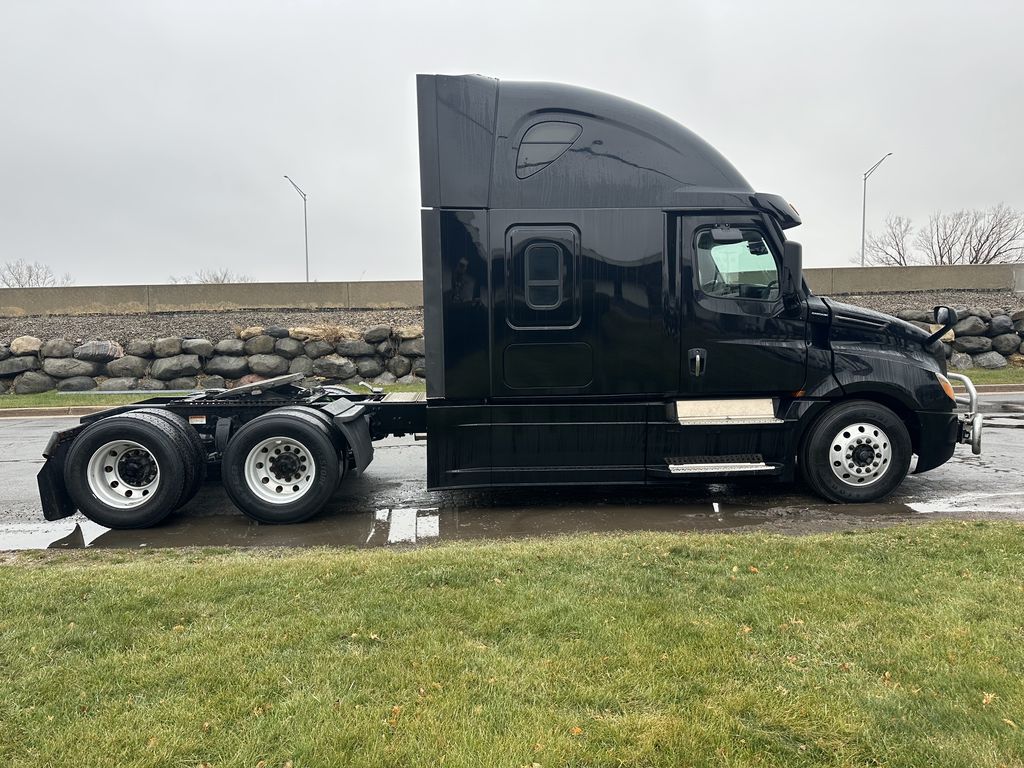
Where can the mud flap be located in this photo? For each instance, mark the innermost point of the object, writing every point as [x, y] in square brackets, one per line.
[351, 420]
[54, 497]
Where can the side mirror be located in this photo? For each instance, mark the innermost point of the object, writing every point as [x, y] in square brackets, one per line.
[792, 269]
[946, 316]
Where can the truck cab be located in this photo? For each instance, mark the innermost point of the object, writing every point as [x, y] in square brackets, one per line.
[609, 301]
[606, 301]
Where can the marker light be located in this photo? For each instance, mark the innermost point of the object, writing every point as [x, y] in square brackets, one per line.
[946, 387]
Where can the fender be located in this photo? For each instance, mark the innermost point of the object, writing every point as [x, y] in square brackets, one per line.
[912, 382]
[353, 422]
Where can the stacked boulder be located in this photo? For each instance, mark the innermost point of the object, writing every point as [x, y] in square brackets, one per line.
[981, 338]
[378, 355]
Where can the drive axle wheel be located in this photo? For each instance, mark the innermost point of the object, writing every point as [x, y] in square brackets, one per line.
[126, 471]
[193, 456]
[281, 468]
[856, 452]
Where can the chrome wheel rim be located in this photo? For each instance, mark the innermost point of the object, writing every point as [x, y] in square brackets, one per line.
[860, 454]
[279, 470]
[123, 474]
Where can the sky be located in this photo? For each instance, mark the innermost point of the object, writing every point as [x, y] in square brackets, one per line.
[143, 139]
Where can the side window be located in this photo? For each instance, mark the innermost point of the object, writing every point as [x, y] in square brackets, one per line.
[544, 143]
[544, 274]
[542, 268]
[737, 270]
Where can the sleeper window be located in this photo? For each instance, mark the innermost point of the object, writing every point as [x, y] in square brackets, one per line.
[544, 143]
[543, 275]
[543, 268]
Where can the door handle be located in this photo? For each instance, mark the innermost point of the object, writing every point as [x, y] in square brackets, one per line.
[698, 361]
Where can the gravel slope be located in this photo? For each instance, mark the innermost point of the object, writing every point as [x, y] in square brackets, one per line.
[197, 325]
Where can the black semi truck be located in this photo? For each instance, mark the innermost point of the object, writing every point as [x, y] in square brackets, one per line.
[606, 301]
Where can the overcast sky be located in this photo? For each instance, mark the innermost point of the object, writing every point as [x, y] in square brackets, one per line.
[142, 139]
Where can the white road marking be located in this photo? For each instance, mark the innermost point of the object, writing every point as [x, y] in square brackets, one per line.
[428, 527]
[403, 526]
[380, 519]
[970, 502]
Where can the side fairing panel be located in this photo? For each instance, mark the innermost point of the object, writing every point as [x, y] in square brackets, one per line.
[456, 288]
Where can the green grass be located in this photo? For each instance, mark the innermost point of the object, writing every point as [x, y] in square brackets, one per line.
[59, 400]
[1008, 375]
[898, 647]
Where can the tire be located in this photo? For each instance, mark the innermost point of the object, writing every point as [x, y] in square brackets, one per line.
[856, 452]
[194, 461]
[317, 416]
[283, 494]
[126, 471]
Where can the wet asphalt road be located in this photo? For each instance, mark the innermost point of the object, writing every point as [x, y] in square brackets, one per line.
[389, 504]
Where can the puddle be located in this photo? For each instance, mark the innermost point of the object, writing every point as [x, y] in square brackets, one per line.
[381, 528]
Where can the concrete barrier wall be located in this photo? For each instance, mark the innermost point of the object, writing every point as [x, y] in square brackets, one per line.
[128, 299]
[840, 280]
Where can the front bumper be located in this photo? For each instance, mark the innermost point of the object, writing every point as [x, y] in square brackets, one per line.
[971, 422]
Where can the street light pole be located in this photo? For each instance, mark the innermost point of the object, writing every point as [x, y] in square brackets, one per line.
[864, 206]
[305, 222]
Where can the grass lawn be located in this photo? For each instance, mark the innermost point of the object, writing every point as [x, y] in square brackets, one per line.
[898, 647]
[1008, 375]
[59, 400]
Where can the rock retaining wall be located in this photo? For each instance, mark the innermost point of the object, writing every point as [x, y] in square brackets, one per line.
[982, 338]
[380, 354]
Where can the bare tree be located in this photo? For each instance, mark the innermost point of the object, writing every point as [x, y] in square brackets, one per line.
[25, 274]
[890, 248]
[212, 276]
[995, 236]
[942, 240]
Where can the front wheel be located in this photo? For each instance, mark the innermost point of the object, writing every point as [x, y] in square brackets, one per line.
[856, 452]
[280, 468]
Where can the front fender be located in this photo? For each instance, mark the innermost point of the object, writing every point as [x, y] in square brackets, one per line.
[912, 382]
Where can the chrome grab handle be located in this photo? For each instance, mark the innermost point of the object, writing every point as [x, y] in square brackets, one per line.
[971, 401]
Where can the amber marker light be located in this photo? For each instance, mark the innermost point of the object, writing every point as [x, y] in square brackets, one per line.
[946, 387]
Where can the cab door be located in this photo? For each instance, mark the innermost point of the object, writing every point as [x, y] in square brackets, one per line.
[738, 337]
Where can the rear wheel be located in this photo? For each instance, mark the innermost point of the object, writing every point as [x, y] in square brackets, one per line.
[194, 460]
[856, 452]
[281, 467]
[126, 471]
